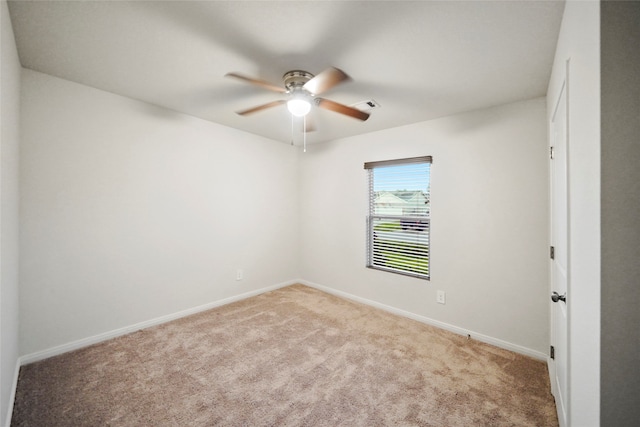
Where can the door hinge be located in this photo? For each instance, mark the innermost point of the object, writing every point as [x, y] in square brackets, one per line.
[552, 352]
[552, 252]
[551, 152]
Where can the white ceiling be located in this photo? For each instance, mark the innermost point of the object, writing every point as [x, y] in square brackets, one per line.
[418, 59]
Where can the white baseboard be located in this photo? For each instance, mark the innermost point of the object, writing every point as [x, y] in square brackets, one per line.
[85, 342]
[426, 320]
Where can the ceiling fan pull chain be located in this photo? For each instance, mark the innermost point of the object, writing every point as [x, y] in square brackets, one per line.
[291, 129]
[304, 133]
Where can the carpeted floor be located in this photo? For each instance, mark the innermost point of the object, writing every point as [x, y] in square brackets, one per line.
[291, 357]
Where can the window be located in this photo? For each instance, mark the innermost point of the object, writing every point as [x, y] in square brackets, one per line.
[398, 224]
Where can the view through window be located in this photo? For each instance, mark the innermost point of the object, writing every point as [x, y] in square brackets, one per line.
[398, 223]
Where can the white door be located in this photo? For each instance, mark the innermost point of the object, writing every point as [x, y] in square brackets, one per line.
[560, 261]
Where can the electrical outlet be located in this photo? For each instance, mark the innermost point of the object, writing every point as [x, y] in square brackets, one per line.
[440, 297]
[239, 274]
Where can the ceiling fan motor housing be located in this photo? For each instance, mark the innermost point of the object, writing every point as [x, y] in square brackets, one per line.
[295, 79]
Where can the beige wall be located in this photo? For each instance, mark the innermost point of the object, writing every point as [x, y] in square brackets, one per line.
[130, 212]
[9, 138]
[489, 204]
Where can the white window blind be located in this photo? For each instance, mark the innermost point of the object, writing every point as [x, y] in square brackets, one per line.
[398, 223]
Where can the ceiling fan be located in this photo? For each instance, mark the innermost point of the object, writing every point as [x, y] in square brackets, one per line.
[302, 89]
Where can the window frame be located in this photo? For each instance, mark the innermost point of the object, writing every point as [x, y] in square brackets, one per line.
[372, 217]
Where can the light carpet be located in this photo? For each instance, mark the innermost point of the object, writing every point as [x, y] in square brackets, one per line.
[295, 356]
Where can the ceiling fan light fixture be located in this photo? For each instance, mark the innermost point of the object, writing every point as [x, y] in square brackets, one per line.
[302, 88]
[299, 107]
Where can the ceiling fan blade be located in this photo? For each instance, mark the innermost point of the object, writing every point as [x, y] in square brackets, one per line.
[342, 109]
[326, 80]
[261, 107]
[262, 83]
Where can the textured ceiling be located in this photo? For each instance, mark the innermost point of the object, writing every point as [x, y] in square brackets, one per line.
[418, 59]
